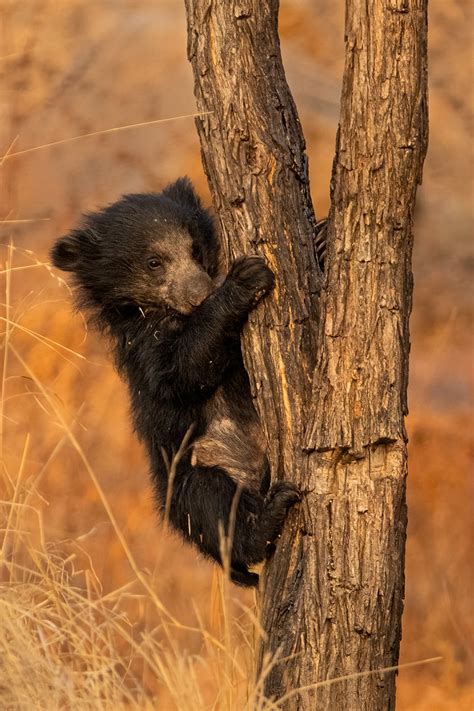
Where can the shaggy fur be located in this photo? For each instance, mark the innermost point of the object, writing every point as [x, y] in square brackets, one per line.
[147, 269]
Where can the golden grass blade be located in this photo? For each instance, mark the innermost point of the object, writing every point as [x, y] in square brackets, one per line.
[25, 221]
[5, 344]
[54, 345]
[9, 150]
[103, 132]
[357, 675]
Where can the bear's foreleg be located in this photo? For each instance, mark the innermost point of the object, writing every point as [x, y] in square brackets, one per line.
[198, 356]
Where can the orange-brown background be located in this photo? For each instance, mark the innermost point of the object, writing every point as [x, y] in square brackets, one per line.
[75, 67]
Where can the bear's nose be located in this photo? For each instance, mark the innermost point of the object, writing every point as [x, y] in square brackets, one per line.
[199, 290]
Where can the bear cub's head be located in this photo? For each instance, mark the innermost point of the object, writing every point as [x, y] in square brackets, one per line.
[153, 250]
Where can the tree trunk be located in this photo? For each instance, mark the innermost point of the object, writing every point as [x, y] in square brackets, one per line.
[328, 369]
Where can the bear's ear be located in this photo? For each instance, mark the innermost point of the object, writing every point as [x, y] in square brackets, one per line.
[182, 192]
[66, 252]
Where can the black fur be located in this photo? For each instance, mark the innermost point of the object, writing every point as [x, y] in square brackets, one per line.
[147, 268]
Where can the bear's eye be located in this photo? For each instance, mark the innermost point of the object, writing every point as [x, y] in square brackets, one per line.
[154, 263]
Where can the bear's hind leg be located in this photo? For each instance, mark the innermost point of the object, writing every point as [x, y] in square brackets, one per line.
[277, 503]
[202, 509]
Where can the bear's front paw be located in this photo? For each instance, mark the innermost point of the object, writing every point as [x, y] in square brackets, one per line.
[253, 275]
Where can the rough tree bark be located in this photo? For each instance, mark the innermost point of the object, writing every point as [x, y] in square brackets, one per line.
[328, 367]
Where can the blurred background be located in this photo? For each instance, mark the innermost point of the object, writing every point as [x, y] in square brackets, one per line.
[80, 67]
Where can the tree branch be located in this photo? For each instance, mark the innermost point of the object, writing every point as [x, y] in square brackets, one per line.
[360, 385]
[254, 158]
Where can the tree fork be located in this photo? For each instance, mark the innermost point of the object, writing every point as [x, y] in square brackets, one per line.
[330, 388]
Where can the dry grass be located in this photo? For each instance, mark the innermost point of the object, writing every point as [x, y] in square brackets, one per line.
[99, 606]
[67, 638]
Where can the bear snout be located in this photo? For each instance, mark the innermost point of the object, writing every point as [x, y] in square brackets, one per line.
[199, 289]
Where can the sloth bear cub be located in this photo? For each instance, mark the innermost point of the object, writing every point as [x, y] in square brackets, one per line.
[147, 270]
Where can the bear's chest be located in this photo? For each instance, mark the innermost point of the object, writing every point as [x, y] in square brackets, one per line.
[233, 440]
